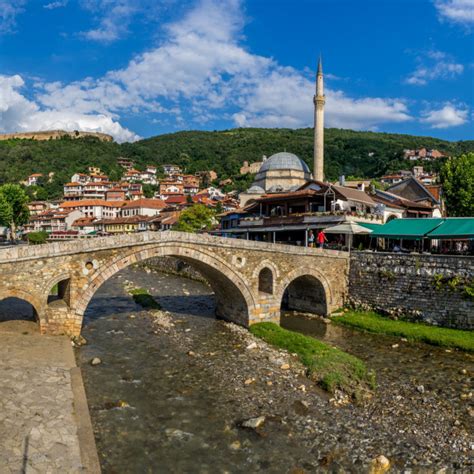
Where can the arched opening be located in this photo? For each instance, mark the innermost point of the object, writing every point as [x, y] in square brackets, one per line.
[230, 302]
[391, 217]
[17, 314]
[60, 291]
[306, 294]
[265, 281]
[233, 299]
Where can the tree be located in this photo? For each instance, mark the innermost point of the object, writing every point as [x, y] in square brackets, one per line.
[15, 212]
[457, 178]
[195, 218]
[5, 211]
[37, 238]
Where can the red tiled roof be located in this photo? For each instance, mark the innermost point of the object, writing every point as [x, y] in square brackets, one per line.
[82, 221]
[146, 203]
[176, 199]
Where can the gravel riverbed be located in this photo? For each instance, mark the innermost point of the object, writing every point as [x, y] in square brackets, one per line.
[203, 395]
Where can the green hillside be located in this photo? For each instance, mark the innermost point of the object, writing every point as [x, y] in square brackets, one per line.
[362, 154]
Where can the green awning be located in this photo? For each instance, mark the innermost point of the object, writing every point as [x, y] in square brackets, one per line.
[370, 226]
[454, 228]
[407, 228]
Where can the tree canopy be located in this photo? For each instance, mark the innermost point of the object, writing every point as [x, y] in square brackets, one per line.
[195, 218]
[457, 178]
[14, 211]
[364, 154]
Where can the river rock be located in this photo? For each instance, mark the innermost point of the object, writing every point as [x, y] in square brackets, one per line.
[96, 361]
[252, 345]
[284, 366]
[253, 423]
[178, 435]
[421, 388]
[235, 445]
[275, 360]
[380, 465]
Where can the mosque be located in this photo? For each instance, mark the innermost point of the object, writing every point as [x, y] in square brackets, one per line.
[285, 172]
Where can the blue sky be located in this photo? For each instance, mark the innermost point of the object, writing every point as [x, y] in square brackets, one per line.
[137, 68]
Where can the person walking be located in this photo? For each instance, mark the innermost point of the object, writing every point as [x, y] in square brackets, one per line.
[311, 238]
[321, 239]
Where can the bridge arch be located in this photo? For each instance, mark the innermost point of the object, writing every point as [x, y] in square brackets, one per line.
[306, 289]
[29, 298]
[234, 299]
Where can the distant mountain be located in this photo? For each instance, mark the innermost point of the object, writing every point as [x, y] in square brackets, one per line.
[361, 154]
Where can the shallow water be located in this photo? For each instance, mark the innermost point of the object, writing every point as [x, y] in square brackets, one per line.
[437, 369]
[180, 414]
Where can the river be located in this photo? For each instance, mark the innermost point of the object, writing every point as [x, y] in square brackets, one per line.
[172, 398]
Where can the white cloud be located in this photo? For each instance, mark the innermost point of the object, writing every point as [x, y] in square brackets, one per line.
[445, 117]
[456, 11]
[54, 5]
[114, 18]
[435, 65]
[19, 114]
[9, 10]
[200, 72]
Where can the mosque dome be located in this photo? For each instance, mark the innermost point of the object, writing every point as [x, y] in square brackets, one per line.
[284, 161]
[256, 190]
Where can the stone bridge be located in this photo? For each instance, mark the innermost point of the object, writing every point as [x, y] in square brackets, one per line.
[250, 279]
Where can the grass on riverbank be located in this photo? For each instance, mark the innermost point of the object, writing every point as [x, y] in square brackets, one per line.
[142, 297]
[373, 322]
[330, 367]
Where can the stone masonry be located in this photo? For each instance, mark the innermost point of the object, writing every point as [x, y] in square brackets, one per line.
[427, 288]
[232, 267]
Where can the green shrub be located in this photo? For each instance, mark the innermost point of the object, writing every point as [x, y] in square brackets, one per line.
[37, 238]
[142, 297]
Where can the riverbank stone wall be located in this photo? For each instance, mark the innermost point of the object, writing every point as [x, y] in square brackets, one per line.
[427, 288]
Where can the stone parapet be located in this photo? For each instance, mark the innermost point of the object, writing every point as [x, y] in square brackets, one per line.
[25, 252]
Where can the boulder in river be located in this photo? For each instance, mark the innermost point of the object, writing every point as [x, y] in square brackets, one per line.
[253, 423]
[96, 361]
[380, 465]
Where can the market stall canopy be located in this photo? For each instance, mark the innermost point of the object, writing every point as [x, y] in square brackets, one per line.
[407, 228]
[370, 225]
[350, 228]
[454, 228]
[433, 228]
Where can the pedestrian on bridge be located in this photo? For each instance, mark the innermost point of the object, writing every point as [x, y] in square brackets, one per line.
[321, 239]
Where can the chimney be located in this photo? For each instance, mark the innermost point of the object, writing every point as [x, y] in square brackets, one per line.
[342, 180]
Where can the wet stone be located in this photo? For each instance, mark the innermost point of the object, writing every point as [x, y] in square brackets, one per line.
[206, 396]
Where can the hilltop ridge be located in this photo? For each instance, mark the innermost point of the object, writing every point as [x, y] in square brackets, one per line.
[361, 154]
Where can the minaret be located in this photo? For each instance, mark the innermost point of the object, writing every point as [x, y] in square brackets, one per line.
[319, 100]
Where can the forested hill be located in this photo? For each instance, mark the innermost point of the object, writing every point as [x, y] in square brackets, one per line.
[362, 154]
